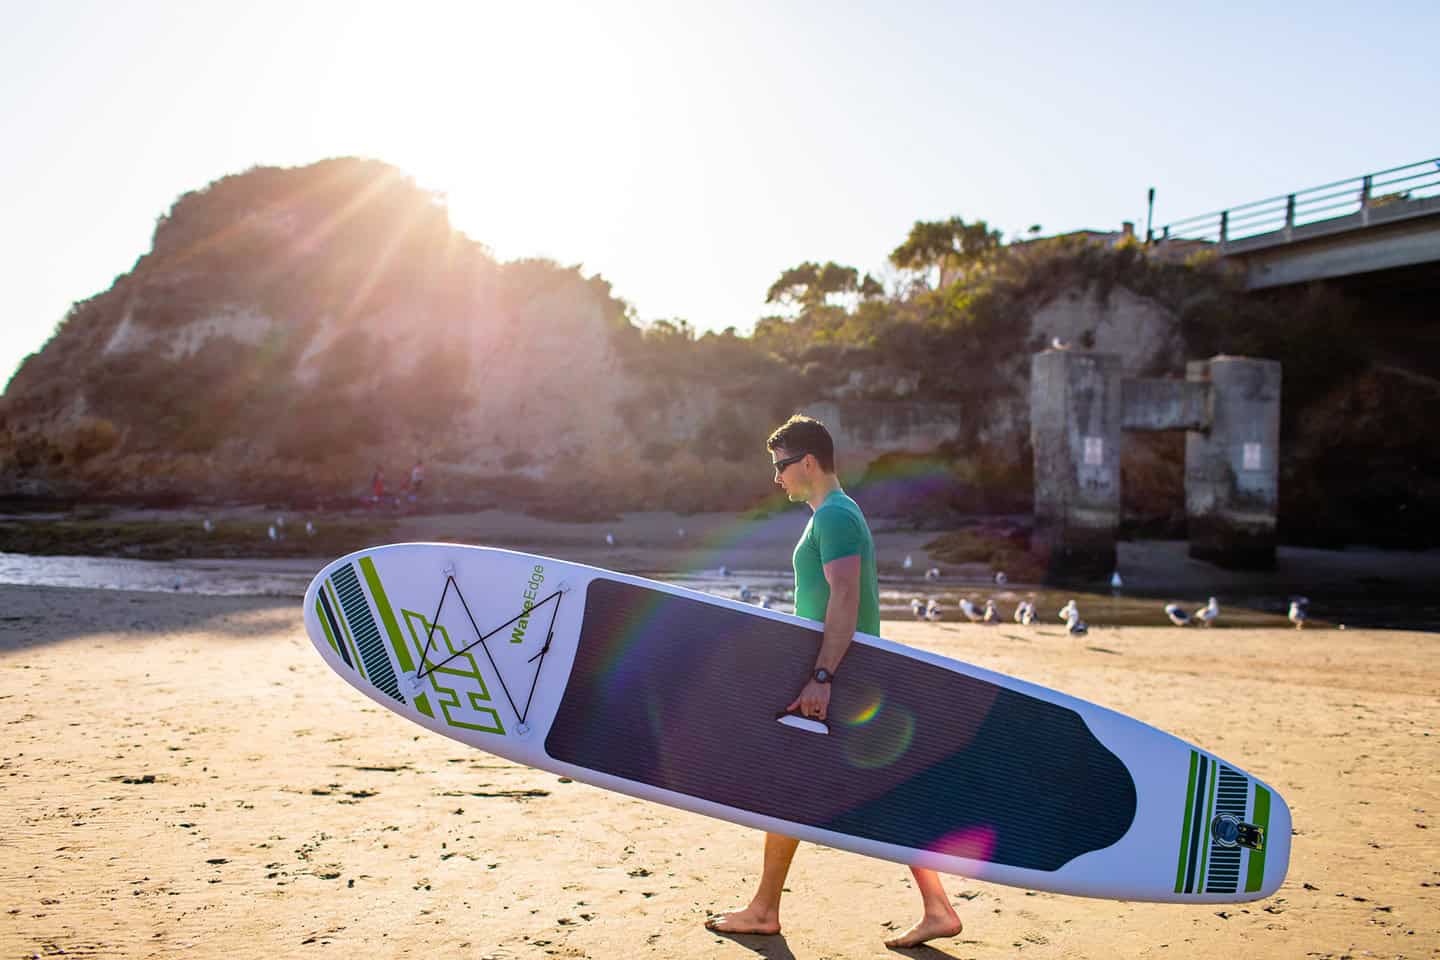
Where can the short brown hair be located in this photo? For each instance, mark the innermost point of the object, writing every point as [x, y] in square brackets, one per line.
[802, 434]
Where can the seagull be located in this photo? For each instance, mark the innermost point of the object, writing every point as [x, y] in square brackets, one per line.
[907, 563]
[1057, 344]
[932, 609]
[1069, 610]
[1115, 582]
[969, 609]
[746, 594]
[1207, 614]
[309, 529]
[991, 614]
[1000, 578]
[1076, 626]
[609, 539]
[933, 573]
[209, 527]
[1299, 612]
[1029, 616]
[917, 607]
[1177, 616]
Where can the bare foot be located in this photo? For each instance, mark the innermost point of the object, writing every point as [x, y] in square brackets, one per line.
[929, 928]
[749, 920]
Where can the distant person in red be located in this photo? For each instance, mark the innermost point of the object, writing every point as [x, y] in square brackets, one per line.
[377, 484]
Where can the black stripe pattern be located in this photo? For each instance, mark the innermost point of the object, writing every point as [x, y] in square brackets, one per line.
[1198, 826]
[1223, 876]
[335, 629]
[365, 632]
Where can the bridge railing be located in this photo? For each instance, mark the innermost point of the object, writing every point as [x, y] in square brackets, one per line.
[1330, 201]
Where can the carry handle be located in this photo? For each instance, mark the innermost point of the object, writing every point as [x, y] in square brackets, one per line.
[793, 718]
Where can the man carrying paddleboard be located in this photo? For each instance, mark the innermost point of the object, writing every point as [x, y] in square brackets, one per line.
[835, 583]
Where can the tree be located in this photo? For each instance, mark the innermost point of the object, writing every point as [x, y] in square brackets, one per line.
[951, 245]
[809, 284]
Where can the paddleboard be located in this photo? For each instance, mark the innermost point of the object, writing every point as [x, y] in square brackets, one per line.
[678, 697]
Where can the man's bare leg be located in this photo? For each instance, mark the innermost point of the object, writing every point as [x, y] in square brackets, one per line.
[763, 913]
[940, 919]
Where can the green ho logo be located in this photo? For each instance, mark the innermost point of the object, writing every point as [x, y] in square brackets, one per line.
[537, 577]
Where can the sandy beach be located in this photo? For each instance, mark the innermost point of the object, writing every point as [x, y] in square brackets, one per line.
[183, 775]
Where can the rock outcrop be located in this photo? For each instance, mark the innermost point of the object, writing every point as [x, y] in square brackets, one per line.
[291, 329]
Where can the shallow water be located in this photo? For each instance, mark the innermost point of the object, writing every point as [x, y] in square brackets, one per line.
[1398, 608]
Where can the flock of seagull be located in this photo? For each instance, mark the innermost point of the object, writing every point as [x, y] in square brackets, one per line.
[1299, 613]
[1025, 614]
[931, 609]
[276, 530]
[1070, 613]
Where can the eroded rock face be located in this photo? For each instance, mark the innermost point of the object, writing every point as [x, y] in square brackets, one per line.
[501, 388]
[546, 380]
[519, 383]
[290, 330]
[1140, 331]
[243, 323]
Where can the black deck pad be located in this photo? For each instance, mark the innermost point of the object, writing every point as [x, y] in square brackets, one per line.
[682, 694]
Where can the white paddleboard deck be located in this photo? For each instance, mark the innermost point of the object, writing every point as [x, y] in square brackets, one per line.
[659, 692]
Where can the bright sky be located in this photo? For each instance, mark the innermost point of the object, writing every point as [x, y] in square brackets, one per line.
[690, 152]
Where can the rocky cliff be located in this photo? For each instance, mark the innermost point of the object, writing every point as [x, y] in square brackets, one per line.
[291, 329]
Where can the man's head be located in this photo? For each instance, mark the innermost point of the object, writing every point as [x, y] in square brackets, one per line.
[803, 454]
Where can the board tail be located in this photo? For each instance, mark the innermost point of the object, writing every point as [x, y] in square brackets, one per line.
[1235, 833]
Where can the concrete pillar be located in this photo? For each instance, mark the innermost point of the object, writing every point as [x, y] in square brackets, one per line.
[1075, 416]
[1232, 470]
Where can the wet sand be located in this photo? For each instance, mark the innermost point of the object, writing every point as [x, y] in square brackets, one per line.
[182, 774]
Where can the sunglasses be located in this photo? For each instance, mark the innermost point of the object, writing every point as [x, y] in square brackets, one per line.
[780, 465]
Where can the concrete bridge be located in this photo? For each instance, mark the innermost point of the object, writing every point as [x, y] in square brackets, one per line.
[1378, 222]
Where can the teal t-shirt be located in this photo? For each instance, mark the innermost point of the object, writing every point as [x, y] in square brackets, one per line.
[838, 529]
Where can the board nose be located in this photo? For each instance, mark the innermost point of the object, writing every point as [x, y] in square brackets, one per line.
[1277, 846]
[322, 624]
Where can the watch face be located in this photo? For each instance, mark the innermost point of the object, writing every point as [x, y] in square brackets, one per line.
[822, 675]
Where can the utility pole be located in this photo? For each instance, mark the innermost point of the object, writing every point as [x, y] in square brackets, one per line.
[1149, 217]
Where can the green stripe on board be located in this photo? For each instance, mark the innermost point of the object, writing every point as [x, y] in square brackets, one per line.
[1185, 830]
[387, 615]
[345, 629]
[320, 615]
[1255, 872]
[1205, 829]
[392, 628]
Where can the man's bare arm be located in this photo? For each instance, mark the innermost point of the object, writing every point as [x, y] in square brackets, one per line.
[842, 612]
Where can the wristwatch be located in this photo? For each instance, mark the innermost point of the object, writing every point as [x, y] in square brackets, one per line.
[823, 676]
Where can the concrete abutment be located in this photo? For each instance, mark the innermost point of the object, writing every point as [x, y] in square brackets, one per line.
[1079, 405]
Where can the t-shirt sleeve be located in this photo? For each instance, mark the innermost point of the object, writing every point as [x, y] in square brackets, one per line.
[837, 533]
